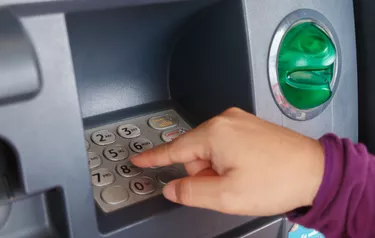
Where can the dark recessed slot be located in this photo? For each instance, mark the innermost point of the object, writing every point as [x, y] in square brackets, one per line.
[56, 212]
[10, 181]
[149, 209]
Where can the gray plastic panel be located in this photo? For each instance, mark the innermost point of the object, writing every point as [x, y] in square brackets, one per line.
[124, 65]
[32, 223]
[18, 63]
[209, 68]
[30, 125]
[48, 137]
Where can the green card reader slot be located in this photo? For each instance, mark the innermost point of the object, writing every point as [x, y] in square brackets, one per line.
[306, 66]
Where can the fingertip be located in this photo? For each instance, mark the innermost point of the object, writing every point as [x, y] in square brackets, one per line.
[169, 191]
[139, 161]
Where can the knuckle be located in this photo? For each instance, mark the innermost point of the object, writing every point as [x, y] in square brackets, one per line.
[169, 152]
[233, 110]
[218, 122]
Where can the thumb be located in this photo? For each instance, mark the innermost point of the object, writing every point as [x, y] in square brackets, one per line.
[202, 192]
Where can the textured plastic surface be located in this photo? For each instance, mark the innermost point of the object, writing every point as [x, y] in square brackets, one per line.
[4, 214]
[30, 217]
[209, 69]
[19, 71]
[131, 58]
[306, 66]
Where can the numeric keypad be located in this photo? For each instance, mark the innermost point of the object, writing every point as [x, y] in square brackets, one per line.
[116, 181]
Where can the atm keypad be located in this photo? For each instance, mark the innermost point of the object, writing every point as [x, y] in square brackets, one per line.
[117, 183]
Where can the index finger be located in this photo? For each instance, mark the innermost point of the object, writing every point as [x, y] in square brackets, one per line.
[189, 147]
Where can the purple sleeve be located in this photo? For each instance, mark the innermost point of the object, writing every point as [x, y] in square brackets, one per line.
[345, 203]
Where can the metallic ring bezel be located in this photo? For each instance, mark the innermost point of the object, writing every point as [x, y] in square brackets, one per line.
[297, 17]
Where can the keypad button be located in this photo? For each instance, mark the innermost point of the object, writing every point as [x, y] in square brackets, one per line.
[168, 175]
[87, 145]
[129, 131]
[163, 122]
[115, 195]
[128, 170]
[141, 145]
[102, 177]
[168, 136]
[142, 186]
[116, 153]
[94, 160]
[103, 137]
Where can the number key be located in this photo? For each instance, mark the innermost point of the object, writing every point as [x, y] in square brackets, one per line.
[141, 145]
[87, 145]
[163, 122]
[103, 137]
[102, 177]
[168, 175]
[168, 136]
[116, 153]
[142, 186]
[94, 160]
[129, 131]
[128, 170]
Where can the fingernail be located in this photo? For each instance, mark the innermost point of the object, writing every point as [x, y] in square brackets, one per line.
[169, 192]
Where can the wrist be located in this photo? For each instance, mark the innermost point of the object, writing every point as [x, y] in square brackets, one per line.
[315, 168]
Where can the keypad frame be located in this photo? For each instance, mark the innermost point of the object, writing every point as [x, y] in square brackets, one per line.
[147, 132]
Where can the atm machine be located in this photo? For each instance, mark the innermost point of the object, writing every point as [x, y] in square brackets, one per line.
[86, 85]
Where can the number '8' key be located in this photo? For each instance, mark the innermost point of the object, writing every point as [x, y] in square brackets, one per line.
[128, 170]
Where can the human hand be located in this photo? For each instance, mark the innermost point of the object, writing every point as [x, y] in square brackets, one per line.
[240, 164]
